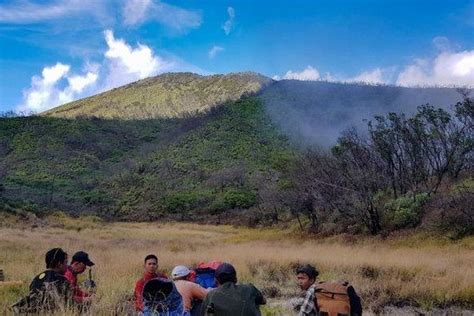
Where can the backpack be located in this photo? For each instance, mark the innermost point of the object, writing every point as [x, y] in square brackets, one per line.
[161, 298]
[205, 274]
[337, 299]
[45, 299]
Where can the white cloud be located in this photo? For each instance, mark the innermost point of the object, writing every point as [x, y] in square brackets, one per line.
[136, 12]
[127, 64]
[214, 51]
[25, 12]
[447, 69]
[50, 75]
[122, 64]
[78, 83]
[49, 89]
[375, 76]
[229, 24]
[308, 74]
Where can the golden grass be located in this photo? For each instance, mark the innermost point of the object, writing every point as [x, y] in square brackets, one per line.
[416, 270]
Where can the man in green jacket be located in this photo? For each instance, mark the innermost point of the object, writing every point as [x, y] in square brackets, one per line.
[230, 298]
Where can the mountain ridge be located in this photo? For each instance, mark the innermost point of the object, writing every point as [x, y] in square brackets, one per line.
[164, 96]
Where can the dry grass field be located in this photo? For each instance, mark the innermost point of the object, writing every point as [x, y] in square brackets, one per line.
[415, 269]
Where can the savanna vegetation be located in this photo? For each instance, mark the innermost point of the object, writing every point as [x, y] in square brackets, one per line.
[387, 206]
[405, 273]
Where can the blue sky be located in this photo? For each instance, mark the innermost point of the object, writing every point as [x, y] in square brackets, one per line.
[52, 52]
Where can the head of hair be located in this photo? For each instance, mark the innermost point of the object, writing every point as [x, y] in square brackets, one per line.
[151, 257]
[225, 272]
[226, 277]
[309, 270]
[54, 257]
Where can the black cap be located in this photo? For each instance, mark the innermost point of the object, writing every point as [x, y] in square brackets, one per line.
[225, 269]
[82, 257]
[309, 270]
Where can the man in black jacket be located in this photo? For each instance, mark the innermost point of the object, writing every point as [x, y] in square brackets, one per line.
[49, 290]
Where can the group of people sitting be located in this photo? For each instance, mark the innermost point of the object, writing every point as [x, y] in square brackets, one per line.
[157, 294]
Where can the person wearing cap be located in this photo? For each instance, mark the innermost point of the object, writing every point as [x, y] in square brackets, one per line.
[306, 277]
[230, 298]
[189, 291]
[150, 266]
[80, 261]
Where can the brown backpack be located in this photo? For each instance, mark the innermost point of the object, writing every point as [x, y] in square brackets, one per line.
[337, 299]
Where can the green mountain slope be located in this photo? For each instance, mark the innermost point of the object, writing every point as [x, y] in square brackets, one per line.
[173, 147]
[167, 95]
[186, 168]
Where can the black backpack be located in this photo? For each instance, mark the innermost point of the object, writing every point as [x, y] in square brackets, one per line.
[49, 291]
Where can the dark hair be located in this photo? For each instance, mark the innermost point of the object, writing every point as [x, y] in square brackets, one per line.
[54, 257]
[151, 257]
[226, 277]
[309, 270]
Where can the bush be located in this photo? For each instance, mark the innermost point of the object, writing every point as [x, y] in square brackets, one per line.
[405, 211]
[239, 198]
[452, 212]
[185, 201]
[233, 198]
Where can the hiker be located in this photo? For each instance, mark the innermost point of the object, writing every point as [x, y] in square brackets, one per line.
[306, 277]
[80, 261]
[189, 291]
[50, 290]
[150, 267]
[326, 298]
[230, 298]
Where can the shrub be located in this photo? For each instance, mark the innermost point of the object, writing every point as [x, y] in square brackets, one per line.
[452, 212]
[233, 198]
[405, 211]
[239, 198]
[185, 201]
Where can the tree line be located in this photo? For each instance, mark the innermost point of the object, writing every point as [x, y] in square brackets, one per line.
[380, 178]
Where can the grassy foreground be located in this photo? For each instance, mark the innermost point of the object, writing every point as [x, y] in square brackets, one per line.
[410, 270]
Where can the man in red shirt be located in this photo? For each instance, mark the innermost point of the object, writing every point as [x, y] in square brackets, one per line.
[151, 267]
[80, 261]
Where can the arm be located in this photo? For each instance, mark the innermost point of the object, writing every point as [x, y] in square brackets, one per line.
[138, 296]
[79, 295]
[198, 292]
[259, 298]
[204, 306]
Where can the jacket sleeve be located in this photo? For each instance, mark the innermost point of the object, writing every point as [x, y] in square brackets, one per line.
[259, 298]
[204, 305]
[138, 296]
[78, 294]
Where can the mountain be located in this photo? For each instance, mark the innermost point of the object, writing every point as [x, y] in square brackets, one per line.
[182, 146]
[167, 95]
[191, 168]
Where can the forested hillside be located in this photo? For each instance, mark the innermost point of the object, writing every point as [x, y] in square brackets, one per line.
[274, 153]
